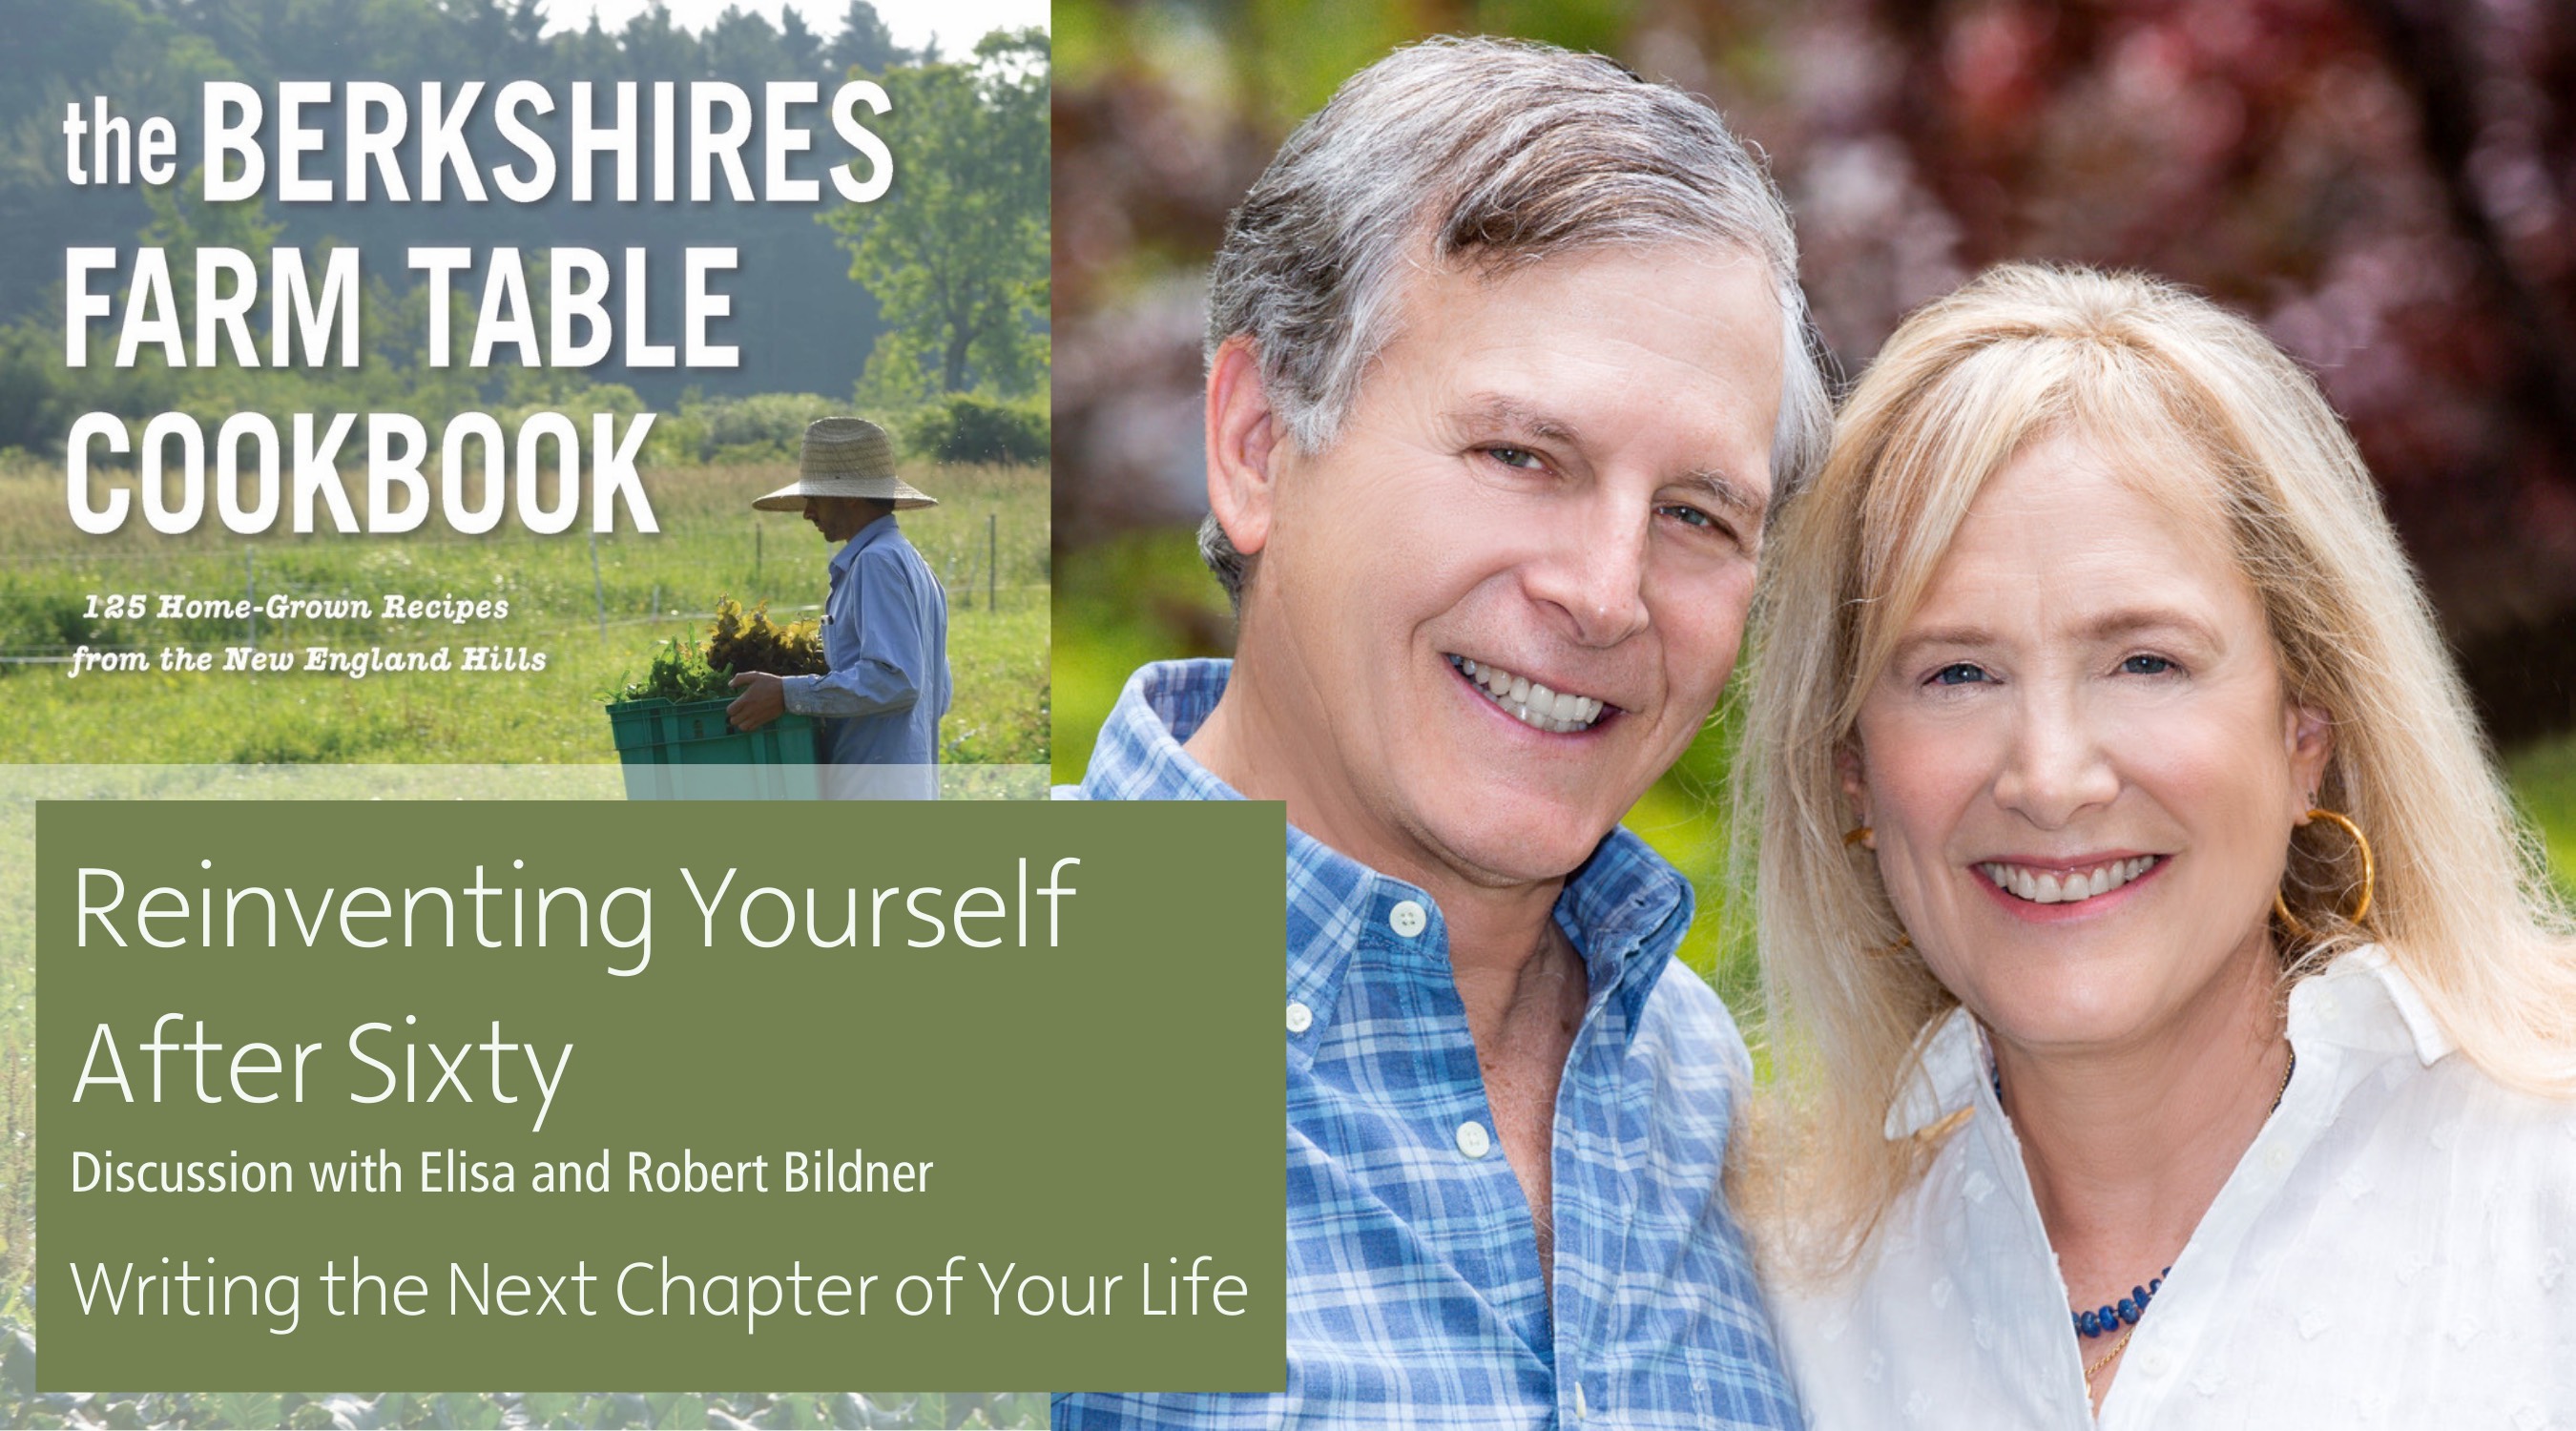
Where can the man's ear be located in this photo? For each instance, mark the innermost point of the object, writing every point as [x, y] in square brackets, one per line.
[1245, 441]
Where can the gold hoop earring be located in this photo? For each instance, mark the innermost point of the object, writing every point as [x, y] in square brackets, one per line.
[2369, 876]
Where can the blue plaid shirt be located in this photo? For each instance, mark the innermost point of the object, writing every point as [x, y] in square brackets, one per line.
[1414, 1292]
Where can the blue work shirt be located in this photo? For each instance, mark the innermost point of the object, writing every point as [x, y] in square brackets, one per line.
[885, 635]
[1414, 1294]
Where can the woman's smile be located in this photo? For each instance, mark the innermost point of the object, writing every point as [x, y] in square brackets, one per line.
[2047, 890]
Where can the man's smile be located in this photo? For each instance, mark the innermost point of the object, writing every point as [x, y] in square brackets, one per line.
[1531, 702]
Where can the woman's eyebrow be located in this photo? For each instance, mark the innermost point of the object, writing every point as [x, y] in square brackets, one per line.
[2132, 620]
[2110, 626]
[1959, 635]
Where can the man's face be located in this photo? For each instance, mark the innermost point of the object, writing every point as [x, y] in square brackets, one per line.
[838, 518]
[1554, 477]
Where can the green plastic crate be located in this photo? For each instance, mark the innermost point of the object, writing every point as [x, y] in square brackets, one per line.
[683, 750]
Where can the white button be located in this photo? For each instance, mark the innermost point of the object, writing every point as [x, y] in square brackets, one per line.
[1473, 1140]
[1300, 1017]
[1407, 918]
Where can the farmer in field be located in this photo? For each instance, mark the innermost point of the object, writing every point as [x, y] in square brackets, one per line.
[885, 624]
[1506, 364]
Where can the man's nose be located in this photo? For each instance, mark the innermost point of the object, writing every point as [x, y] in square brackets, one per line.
[2057, 766]
[1594, 570]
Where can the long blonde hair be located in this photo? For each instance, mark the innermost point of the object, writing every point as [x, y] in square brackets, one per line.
[2461, 903]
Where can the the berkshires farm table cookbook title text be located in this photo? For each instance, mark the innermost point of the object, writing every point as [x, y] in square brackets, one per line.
[661, 143]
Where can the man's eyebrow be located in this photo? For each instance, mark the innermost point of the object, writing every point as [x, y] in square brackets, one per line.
[1513, 415]
[1728, 492]
[1495, 410]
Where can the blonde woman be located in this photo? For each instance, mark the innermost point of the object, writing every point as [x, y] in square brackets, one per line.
[2176, 1028]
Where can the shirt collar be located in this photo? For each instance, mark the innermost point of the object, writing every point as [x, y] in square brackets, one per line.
[860, 541]
[1139, 755]
[2362, 1000]
[1624, 908]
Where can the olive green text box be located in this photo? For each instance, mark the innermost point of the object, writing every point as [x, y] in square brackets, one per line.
[1023, 1110]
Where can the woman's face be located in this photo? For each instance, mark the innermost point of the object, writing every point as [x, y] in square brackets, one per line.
[2080, 763]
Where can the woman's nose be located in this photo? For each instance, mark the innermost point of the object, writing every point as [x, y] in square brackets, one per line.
[2056, 766]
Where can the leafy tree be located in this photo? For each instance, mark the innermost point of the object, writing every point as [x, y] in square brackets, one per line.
[866, 45]
[657, 49]
[184, 222]
[741, 46]
[591, 53]
[956, 252]
[804, 48]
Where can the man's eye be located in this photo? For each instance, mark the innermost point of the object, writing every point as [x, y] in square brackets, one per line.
[2146, 665]
[1520, 457]
[1958, 673]
[1691, 516]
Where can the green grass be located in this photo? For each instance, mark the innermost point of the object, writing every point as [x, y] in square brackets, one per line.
[594, 625]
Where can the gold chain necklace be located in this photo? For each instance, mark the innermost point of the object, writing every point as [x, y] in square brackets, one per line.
[2108, 1357]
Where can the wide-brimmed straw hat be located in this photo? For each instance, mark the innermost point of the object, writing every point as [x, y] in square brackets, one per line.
[846, 457]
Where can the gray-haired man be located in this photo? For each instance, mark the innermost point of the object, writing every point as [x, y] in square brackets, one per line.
[1506, 366]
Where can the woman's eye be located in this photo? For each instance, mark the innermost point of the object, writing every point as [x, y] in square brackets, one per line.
[1959, 673]
[2146, 665]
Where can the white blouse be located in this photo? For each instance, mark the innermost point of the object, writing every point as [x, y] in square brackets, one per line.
[2396, 1249]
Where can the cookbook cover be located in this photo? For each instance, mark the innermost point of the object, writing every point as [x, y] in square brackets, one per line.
[602, 403]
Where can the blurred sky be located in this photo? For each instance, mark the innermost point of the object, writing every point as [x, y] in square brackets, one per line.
[958, 23]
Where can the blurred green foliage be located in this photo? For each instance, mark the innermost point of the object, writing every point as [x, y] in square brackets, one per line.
[2543, 777]
[1288, 56]
[2326, 168]
[972, 427]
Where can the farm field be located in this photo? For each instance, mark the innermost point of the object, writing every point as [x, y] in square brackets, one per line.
[595, 610]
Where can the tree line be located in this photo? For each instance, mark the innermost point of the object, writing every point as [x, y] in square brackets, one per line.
[935, 294]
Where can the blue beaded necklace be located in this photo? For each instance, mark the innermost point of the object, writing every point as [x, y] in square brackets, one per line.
[2110, 1319]
[2102, 1321]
